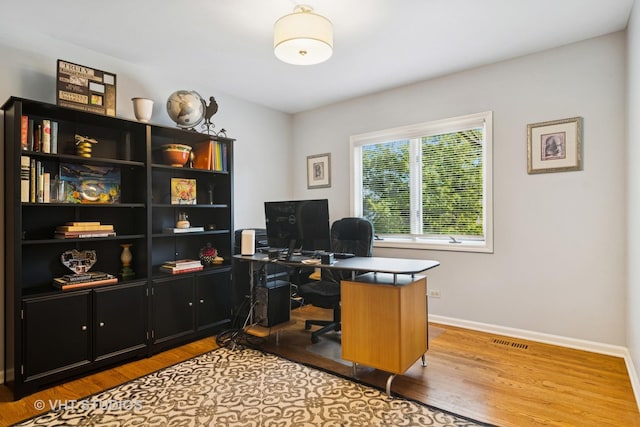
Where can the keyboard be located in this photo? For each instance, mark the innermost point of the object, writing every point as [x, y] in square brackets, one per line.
[342, 255]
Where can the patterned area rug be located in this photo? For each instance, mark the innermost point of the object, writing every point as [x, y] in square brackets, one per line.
[244, 387]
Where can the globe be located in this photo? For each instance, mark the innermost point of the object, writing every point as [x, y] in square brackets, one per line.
[186, 108]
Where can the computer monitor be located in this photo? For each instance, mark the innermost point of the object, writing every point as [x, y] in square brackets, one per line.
[298, 224]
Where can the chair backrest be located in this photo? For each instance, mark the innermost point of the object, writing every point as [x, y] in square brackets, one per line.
[352, 235]
[349, 235]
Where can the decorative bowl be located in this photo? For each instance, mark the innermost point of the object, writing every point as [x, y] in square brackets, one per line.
[175, 154]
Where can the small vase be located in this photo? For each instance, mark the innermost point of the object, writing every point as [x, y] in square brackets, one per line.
[125, 259]
[142, 108]
[183, 220]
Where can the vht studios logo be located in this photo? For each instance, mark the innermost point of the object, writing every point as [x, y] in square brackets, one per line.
[88, 404]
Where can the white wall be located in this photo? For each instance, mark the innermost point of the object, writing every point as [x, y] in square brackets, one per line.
[633, 188]
[559, 261]
[262, 160]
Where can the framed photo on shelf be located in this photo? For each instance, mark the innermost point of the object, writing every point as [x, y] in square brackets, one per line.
[319, 171]
[554, 146]
[183, 191]
[88, 184]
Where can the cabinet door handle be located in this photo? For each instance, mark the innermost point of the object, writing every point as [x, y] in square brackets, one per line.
[190, 304]
[101, 324]
[201, 301]
[84, 327]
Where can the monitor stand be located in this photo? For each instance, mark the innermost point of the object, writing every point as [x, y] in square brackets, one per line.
[292, 245]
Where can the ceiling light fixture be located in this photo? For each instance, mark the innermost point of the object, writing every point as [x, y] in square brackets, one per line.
[303, 37]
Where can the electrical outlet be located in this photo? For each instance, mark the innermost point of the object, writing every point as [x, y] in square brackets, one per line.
[434, 293]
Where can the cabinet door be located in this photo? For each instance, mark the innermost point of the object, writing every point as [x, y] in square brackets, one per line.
[214, 298]
[120, 319]
[173, 308]
[57, 334]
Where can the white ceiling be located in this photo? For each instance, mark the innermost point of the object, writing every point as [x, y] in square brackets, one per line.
[379, 44]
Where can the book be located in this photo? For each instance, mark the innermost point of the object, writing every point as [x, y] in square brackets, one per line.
[54, 137]
[82, 223]
[169, 230]
[24, 132]
[88, 227]
[39, 182]
[65, 286]
[46, 136]
[183, 263]
[224, 158]
[183, 191]
[82, 234]
[202, 152]
[32, 181]
[173, 270]
[30, 130]
[218, 157]
[37, 134]
[25, 165]
[85, 277]
[46, 187]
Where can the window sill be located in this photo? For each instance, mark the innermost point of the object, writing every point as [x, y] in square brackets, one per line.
[434, 245]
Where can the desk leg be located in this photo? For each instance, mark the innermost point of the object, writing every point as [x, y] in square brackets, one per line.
[389, 380]
[354, 369]
[424, 362]
[251, 286]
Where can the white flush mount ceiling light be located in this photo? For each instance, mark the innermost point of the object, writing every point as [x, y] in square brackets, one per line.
[303, 37]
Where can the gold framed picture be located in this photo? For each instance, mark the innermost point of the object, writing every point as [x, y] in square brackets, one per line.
[183, 191]
[319, 171]
[554, 146]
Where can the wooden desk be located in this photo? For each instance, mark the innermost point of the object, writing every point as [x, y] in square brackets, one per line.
[384, 321]
[384, 311]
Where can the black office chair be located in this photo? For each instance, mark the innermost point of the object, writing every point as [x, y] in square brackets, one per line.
[348, 235]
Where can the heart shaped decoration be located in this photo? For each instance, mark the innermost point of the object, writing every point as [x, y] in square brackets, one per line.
[79, 261]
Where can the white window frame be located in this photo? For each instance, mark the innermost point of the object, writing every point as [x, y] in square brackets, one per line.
[420, 130]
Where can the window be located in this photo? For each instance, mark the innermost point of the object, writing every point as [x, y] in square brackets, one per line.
[427, 186]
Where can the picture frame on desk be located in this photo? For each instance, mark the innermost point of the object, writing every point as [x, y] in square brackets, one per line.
[319, 171]
[554, 146]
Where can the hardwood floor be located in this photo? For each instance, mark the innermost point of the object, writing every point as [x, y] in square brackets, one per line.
[490, 378]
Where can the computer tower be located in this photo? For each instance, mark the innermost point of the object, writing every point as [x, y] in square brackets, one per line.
[273, 303]
[242, 274]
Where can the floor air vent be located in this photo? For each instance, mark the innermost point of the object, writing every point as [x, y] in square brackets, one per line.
[510, 344]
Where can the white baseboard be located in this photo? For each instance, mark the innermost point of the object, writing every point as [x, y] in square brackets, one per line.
[596, 347]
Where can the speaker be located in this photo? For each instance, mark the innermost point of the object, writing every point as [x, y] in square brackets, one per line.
[248, 245]
[273, 303]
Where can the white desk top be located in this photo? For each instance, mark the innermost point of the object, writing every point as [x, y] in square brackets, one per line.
[373, 264]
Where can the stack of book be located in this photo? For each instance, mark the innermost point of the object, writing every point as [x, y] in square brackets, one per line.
[84, 229]
[211, 155]
[181, 266]
[83, 280]
[39, 135]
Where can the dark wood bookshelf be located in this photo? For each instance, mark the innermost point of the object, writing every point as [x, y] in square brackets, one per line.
[52, 335]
